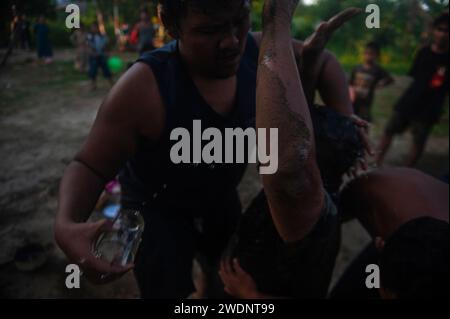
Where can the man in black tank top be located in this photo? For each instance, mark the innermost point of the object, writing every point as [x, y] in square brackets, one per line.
[207, 74]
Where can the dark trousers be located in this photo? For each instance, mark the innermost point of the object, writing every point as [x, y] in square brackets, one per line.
[96, 62]
[171, 240]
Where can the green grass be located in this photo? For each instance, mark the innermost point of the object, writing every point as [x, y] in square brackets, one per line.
[31, 80]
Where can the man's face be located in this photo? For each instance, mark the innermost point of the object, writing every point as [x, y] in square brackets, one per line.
[370, 56]
[213, 41]
[440, 35]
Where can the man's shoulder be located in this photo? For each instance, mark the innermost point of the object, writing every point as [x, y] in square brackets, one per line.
[136, 90]
[139, 76]
[160, 55]
[136, 96]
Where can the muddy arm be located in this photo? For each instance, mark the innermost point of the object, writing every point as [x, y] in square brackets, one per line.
[294, 192]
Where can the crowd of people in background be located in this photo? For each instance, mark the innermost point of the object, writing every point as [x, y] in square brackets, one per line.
[21, 36]
[91, 42]
[418, 109]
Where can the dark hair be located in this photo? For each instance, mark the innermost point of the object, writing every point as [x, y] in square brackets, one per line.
[441, 19]
[338, 145]
[172, 11]
[144, 9]
[373, 46]
[414, 262]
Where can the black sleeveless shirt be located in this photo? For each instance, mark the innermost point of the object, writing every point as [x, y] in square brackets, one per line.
[150, 177]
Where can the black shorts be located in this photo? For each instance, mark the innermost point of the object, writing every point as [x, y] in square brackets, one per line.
[172, 238]
[420, 129]
[300, 270]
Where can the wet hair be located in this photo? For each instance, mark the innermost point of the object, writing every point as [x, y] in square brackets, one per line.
[414, 261]
[338, 145]
[374, 47]
[172, 11]
[441, 19]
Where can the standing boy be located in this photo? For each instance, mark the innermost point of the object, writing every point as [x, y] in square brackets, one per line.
[365, 79]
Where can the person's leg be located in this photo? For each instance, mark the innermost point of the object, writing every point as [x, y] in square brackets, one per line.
[415, 153]
[85, 61]
[77, 62]
[93, 71]
[164, 260]
[396, 125]
[28, 40]
[383, 148]
[421, 131]
[363, 111]
[105, 69]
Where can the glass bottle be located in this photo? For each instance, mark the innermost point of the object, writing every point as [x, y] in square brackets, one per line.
[119, 245]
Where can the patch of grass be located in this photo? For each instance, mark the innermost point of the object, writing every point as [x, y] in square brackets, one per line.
[62, 73]
[23, 82]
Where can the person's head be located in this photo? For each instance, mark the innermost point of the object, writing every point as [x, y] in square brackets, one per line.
[440, 31]
[144, 15]
[338, 145]
[414, 261]
[41, 19]
[371, 53]
[211, 34]
[94, 28]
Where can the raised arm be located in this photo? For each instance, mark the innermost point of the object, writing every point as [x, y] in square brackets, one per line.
[294, 192]
[321, 71]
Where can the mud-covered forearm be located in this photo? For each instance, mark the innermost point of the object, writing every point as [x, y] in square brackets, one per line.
[281, 104]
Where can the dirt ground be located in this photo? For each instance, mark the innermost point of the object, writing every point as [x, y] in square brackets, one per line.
[45, 114]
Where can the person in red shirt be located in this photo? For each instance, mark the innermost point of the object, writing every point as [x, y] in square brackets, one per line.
[421, 107]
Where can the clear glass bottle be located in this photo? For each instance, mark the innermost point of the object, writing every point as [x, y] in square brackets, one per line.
[119, 246]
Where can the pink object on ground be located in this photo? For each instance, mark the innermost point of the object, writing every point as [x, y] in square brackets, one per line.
[112, 186]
